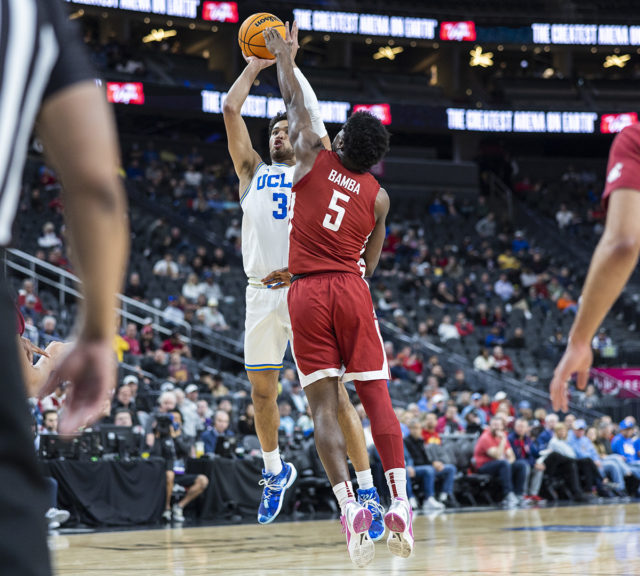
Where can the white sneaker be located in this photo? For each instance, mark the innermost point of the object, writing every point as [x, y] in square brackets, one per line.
[166, 515]
[355, 524]
[178, 515]
[431, 504]
[55, 517]
[414, 503]
[510, 501]
[399, 522]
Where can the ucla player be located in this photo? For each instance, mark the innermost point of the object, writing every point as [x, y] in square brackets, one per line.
[265, 191]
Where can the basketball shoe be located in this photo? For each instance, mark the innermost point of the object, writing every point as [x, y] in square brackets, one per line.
[275, 486]
[356, 522]
[399, 521]
[370, 500]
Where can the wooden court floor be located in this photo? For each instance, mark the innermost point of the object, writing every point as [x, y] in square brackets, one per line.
[589, 540]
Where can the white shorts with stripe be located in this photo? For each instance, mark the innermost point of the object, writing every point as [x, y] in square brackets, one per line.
[267, 328]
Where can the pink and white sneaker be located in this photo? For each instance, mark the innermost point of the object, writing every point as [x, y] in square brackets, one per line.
[399, 522]
[355, 523]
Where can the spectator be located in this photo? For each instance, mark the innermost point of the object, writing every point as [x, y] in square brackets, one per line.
[447, 331]
[503, 288]
[287, 423]
[214, 437]
[420, 466]
[484, 361]
[429, 432]
[450, 422]
[516, 341]
[493, 456]
[623, 444]
[204, 412]
[189, 408]
[486, 227]
[210, 288]
[49, 422]
[464, 326]
[175, 344]
[166, 403]
[564, 217]
[459, 382]
[131, 338]
[178, 370]
[475, 408]
[234, 231]
[166, 267]
[49, 238]
[246, 422]
[219, 262]
[135, 289]
[297, 398]
[521, 444]
[48, 333]
[211, 317]
[584, 448]
[191, 289]
[28, 291]
[566, 303]
[501, 362]
[124, 399]
[494, 337]
[149, 343]
[173, 314]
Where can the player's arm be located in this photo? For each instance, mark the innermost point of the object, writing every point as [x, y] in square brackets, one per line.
[376, 240]
[79, 136]
[245, 159]
[613, 262]
[306, 143]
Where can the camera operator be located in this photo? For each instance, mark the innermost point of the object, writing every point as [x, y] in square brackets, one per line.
[220, 439]
[170, 444]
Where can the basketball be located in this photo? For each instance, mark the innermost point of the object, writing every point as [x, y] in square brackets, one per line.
[250, 35]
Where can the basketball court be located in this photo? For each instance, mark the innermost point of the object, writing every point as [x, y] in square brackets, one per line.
[588, 540]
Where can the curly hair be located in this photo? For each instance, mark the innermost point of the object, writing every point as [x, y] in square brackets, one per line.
[277, 118]
[366, 140]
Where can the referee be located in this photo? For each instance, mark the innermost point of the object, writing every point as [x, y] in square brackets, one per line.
[45, 74]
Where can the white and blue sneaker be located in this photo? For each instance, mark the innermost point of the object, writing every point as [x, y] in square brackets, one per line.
[275, 486]
[370, 500]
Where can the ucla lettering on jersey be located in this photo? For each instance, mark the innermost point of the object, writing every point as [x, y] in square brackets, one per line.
[265, 204]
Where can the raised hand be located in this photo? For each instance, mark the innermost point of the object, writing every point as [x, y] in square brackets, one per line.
[275, 43]
[577, 359]
[291, 37]
[260, 63]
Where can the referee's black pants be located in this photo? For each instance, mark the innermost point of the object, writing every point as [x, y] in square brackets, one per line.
[23, 501]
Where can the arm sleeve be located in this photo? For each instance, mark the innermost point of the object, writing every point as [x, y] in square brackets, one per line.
[72, 65]
[311, 103]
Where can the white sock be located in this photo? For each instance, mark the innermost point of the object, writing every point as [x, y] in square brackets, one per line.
[344, 493]
[272, 461]
[365, 479]
[397, 482]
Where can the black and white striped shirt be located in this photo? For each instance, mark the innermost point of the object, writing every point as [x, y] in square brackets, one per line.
[40, 54]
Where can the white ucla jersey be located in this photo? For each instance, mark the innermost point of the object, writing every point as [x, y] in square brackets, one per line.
[265, 224]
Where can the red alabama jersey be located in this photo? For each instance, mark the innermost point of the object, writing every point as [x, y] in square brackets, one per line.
[623, 169]
[332, 216]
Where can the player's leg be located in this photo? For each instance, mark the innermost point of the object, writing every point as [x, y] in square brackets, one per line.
[23, 498]
[362, 351]
[323, 396]
[319, 365]
[351, 427]
[195, 484]
[265, 343]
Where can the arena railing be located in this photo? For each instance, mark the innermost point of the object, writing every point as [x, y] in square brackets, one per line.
[67, 284]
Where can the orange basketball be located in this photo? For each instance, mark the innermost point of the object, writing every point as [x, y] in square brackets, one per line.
[250, 36]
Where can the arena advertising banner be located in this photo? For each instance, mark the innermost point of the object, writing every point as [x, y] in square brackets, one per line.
[621, 382]
[211, 11]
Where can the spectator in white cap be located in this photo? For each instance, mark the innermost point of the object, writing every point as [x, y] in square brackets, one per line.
[438, 404]
[211, 316]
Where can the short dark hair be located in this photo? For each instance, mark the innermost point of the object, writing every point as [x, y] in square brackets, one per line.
[277, 118]
[366, 140]
[123, 411]
[47, 412]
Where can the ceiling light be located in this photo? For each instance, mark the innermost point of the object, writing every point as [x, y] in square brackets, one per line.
[615, 60]
[548, 73]
[387, 52]
[480, 58]
[159, 35]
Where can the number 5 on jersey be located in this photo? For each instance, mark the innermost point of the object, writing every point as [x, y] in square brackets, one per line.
[339, 211]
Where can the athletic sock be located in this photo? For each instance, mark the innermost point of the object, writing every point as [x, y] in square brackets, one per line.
[344, 493]
[365, 479]
[397, 482]
[272, 461]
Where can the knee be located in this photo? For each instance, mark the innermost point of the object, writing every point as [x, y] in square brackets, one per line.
[202, 482]
[264, 393]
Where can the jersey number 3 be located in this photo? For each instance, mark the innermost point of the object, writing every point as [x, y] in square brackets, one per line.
[281, 199]
[339, 211]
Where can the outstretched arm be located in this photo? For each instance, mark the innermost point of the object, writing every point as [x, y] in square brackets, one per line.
[245, 159]
[613, 262]
[306, 143]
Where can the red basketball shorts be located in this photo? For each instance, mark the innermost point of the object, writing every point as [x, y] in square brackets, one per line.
[335, 329]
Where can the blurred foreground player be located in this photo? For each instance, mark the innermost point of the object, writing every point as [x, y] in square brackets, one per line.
[265, 251]
[43, 70]
[613, 262]
[337, 229]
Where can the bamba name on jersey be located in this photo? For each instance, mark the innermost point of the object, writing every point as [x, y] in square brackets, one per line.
[347, 183]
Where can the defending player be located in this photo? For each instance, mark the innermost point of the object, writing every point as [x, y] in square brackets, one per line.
[265, 195]
[613, 262]
[336, 234]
